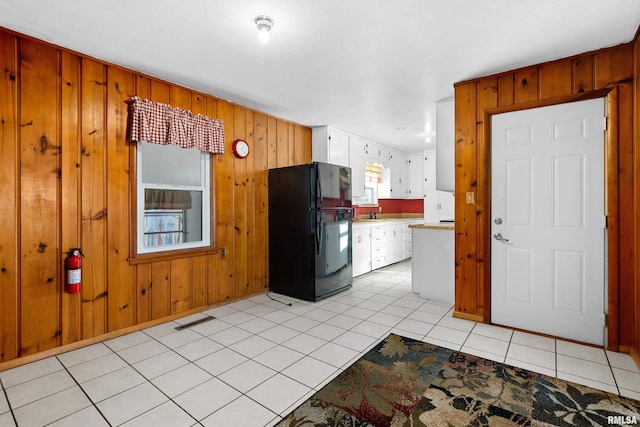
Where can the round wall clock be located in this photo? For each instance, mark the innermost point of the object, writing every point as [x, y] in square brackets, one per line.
[240, 148]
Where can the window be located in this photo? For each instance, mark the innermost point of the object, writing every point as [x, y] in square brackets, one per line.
[370, 195]
[173, 198]
[372, 177]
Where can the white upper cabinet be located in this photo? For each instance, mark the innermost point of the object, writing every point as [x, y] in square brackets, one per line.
[378, 154]
[357, 160]
[330, 145]
[416, 175]
[401, 179]
[384, 186]
[430, 193]
[445, 138]
[399, 175]
[430, 169]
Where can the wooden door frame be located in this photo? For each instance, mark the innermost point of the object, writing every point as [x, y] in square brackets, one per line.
[611, 188]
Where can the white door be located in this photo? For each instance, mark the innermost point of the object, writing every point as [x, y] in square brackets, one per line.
[547, 231]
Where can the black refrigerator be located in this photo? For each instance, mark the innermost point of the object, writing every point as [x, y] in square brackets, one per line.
[310, 219]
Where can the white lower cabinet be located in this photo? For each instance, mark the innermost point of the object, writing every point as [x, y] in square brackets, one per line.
[435, 250]
[406, 241]
[407, 236]
[361, 250]
[393, 240]
[378, 249]
[376, 245]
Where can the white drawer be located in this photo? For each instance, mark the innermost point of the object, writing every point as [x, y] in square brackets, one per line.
[378, 262]
[377, 242]
[377, 231]
[377, 252]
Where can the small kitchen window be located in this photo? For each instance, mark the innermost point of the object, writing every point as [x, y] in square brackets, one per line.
[373, 176]
[173, 198]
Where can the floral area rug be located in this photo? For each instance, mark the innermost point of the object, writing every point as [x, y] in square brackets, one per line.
[404, 382]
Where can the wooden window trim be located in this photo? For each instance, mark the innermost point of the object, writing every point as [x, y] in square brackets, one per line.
[171, 255]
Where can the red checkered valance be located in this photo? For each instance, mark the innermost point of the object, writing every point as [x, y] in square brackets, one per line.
[162, 124]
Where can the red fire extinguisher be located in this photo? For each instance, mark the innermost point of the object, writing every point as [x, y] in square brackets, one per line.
[73, 270]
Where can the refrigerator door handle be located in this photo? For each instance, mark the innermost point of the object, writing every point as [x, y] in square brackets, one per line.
[318, 231]
[319, 187]
[313, 191]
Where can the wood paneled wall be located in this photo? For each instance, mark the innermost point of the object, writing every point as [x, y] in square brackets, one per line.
[608, 73]
[66, 181]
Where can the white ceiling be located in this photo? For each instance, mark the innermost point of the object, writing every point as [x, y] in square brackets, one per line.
[371, 67]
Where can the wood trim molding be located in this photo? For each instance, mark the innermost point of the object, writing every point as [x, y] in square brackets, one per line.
[634, 355]
[564, 99]
[170, 255]
[467, 316]
[612, 204]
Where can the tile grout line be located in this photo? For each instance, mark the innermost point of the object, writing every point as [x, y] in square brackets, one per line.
[147, 380]
[508, 347]
[228, 384]
[212, 375]
[615, 381]
[83, 391]
[6, 396]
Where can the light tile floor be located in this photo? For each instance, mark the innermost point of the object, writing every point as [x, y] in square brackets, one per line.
[260, 358]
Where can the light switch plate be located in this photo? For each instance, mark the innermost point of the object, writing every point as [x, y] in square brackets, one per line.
[471, 199]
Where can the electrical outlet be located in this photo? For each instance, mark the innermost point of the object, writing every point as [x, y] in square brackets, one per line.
[223, 252]
[471, 199]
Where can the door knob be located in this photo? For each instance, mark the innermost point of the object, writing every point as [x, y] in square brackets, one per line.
[498, 221]
[499, 237]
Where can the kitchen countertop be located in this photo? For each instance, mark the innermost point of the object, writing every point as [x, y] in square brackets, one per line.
[435, 226]
[367, 221]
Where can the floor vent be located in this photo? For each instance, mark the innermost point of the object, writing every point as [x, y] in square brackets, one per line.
[195, 322]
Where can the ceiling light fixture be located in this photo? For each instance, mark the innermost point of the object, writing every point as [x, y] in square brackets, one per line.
[264, 24]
